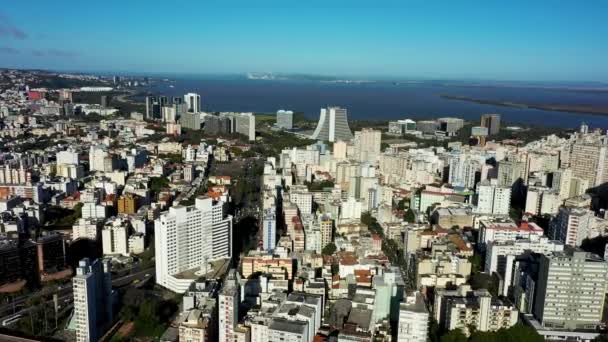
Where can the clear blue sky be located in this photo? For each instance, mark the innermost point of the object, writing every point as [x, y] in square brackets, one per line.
[512, 40]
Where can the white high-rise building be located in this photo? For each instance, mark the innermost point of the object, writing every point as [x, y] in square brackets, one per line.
[493, 199]
[368, 144]
[229, 306]
[92, 288]
[413, 319]
[571, 225]
[188, 238]
[97, 156]
[115, 240]
[333, 125]
[269, 227]
[571, 290]
[193, 102]
[303, 199]
[285, 119]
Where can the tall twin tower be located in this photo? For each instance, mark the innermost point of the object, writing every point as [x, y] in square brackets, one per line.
[333, 125]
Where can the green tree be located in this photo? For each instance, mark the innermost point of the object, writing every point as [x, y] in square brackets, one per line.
[454, 336]
[475, 261]
[330, 249]
[409, 216]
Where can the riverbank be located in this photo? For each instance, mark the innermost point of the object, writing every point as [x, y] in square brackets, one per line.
[549, 107]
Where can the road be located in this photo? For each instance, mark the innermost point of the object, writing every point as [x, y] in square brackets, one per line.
[66, 292]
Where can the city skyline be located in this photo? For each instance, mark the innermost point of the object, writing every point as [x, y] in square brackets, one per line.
[515, 41]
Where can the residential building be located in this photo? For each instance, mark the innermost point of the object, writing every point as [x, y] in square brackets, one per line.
[491, 122]
[284, 119]
[228, 300]
[571, 290]
[92, 299]
[414, 319]
[188, 238]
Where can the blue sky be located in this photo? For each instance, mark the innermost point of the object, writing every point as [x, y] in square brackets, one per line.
[510, 40]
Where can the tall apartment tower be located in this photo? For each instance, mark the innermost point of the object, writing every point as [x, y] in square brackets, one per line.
[229, 306]
[269, 226]
[571, 289]
[491, 122]
[333, 125]
[492, 199]
[193, 102]
[413, 319]
[190, 237]
[589, 159]
[285, 119]
[368, 145]
[92, 299]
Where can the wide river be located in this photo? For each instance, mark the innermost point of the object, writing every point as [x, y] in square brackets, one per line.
[387, 100]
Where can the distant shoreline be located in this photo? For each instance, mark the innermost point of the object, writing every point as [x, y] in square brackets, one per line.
[557, 108]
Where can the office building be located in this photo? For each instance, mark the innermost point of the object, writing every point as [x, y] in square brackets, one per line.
[229, 299]
[153, 108]
[187, 239]
[92, 288]
[242, 123]
[571, 290]
[450, 125]
[333, 125]
[193, 102]
[401, 127]
[269, 226]
[413, 319]
[285, 119]
[491, 122]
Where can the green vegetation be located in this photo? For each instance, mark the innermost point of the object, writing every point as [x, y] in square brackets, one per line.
[62, 218]
[274, 142]
[484, 281]
[319, 186]
[149, 313]
[158, 183]
[476, 263]
[172, 157]
[330, 249]
[409, 216]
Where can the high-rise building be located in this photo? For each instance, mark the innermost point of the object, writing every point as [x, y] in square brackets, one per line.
[190, 237]
[333, 125]
[493, 199]
[368, 144]
[127, 204]
[191, 121]
[115, 240]
[571, 225]
[511, 171]
[193, 102]
[269, 226]
[326, 225]
[92, 299]
[284, 119]
[413, 319]
[242, 123]
[229, 299]
[571, 290]
[589, 159]
[491, 122]
[153, 108]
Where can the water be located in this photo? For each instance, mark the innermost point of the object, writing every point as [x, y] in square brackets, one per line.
[386, 100]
